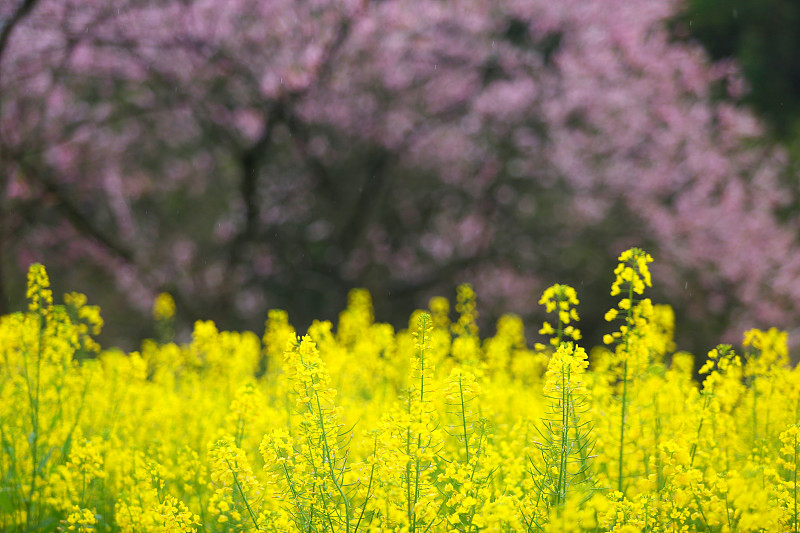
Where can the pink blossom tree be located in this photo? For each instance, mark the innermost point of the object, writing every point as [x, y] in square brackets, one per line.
[244, 155]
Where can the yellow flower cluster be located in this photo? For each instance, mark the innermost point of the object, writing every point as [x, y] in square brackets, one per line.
[39, 295]
[175, 517]
[357, 427]
[466, 307]
[80, 520]
[163, 307]
[238, 490]
[632, 272]
[564, 373]
[465, 342]
[561, 299]
[86, 460]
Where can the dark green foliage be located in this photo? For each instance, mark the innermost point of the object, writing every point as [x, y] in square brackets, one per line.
[763, 36]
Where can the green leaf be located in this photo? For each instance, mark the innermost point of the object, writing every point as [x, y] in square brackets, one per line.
[6, 501]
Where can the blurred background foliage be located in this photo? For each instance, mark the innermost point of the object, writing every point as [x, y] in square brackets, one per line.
[763, 39]
[244, 156]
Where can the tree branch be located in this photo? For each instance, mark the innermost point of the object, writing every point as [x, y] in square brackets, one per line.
[369, 199]
[76, 218]
[84, 226]
[377, 184]
[250, 161]
[22, 11]
[300, 136]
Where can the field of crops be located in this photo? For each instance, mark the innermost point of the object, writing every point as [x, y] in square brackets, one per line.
[357, 427]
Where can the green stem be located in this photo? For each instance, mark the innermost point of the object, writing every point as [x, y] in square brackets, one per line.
[417, 476]
[706, 402]
[629, 323]
[472, 477]
[463, 415]
[700, 509]
[562, 468]
[241, 491]
[728, 511]
[422, 361]
[369, 487]
[657, 433]
[409, 503]
[755, 411]
[326, 514]
[33, 398]
[295, 495]
[411, 500]
[794, 475]
[622, 423]
[327, 454]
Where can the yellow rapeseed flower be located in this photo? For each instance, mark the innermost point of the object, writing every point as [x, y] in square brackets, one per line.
[39, 295]
[560, 299]
[163, 307]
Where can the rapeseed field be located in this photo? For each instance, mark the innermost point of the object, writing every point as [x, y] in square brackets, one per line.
[360, 428]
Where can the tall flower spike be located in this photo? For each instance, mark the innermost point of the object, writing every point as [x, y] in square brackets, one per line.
[567, 443]
[416, 425]
[466, 477]
[318, 478]
[422, 369]
[632, 275]
[561, 299]
[40, 297]
[632, 269]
